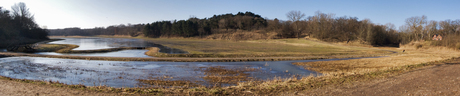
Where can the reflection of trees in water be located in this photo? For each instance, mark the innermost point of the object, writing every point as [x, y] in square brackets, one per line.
[141, 43]
[101, 43]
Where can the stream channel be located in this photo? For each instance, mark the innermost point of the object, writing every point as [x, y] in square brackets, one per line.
[128, 73]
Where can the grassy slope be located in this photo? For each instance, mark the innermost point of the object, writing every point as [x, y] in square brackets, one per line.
[264, 48]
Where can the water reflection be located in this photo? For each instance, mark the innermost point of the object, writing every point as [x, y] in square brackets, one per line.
[122, 53]
[94, 43]
[86, 43]
[125, 74]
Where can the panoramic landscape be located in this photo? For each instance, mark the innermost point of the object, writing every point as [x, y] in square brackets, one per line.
[83, 47]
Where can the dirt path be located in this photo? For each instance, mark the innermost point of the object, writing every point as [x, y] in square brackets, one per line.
[442, 79]
[14, 88]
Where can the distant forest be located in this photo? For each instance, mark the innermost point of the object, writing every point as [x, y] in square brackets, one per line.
[326, 27]
[18, 25]
[182, 28]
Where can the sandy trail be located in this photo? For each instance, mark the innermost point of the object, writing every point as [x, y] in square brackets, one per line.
[436, 80]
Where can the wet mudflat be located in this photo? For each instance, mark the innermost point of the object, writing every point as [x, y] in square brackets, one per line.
[93, 43]
[141, 74]
[148, 74]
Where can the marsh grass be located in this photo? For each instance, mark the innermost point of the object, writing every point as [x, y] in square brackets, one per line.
[413, 55]
[198, 48]
[348, 71]
[219, 75]
[257, 48]
[169, 83]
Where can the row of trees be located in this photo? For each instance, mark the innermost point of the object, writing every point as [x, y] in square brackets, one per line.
[327, 27]
[201, 27]
[225, 23]
[19, 24]
[419, 28]
[129, 29]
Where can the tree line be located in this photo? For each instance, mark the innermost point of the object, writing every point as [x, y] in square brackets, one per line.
[202, 27]
[419, 28]
[329, 28]
[326, 27]
[19, 24]
[129, 29]
[224, 23]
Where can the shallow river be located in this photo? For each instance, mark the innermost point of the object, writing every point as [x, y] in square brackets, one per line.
[127, 74]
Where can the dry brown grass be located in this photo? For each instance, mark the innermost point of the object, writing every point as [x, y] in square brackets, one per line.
[335, 73]
[412, 55]
[168, 83]
[153, 51]
[241, 35]
[220, 75]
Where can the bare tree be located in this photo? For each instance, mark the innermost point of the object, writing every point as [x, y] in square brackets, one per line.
[296, 16]
[416, 25]
[22, 14]
[20, 10]
[431, 28]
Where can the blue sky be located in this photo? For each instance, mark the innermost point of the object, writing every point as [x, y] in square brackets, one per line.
[102, 13]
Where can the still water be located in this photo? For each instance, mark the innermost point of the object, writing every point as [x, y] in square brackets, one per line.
[125, 74]
[104, 43]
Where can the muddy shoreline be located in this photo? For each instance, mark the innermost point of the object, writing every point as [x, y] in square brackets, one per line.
[177, 59]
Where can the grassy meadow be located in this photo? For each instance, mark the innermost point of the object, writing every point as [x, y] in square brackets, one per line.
[259, 48]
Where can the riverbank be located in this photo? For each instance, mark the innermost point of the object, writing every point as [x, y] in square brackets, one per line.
[9, 43]
[176, 59]
[335, 73]
[202, 48]
[330, 81]
[244, 51]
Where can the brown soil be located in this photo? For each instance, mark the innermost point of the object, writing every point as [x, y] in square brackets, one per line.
[442, 79]
[9, 88]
